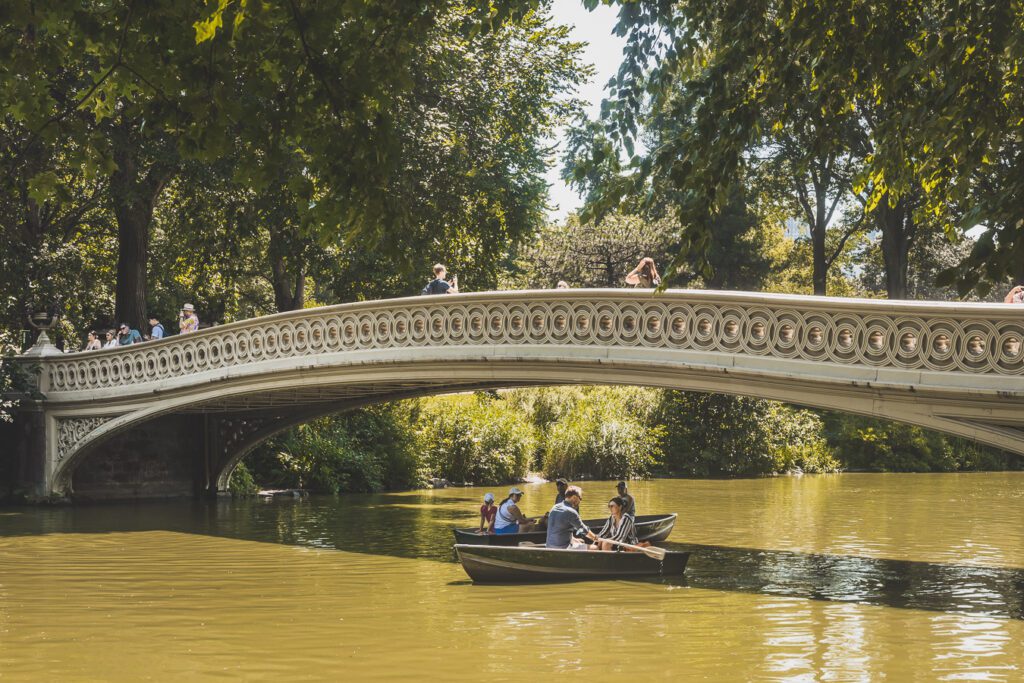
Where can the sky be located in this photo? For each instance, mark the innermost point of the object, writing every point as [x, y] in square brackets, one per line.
[604, 52]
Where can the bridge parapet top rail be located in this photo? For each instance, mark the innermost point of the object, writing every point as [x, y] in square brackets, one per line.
[951, 337]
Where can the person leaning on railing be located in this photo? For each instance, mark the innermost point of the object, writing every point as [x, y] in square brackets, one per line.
[127, 335]
[1015, 295]
[93, 342]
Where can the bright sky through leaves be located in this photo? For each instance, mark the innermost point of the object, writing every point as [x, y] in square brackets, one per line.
[604, 52]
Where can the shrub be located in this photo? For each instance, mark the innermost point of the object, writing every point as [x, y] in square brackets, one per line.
[481, 438]
[241, 482]
[603, 432]
[372, 449]
[865, 443]
[716, 434]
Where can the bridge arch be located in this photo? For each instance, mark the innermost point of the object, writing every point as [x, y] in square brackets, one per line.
[957, 368]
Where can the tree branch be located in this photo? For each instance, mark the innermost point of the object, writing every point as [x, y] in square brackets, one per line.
[805, 202]
[853, 229]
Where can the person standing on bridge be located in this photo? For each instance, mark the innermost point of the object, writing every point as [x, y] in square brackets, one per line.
[645, 274]
[156, 329]
[439, 285]
[187, 320]
[1015, 295]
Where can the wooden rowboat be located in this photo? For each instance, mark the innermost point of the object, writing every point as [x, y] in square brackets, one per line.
[650, 528]
[514, 564]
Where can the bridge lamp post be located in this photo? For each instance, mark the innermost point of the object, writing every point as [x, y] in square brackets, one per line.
[44, 321]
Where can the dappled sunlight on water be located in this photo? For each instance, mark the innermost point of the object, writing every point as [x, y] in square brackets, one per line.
[852, 577]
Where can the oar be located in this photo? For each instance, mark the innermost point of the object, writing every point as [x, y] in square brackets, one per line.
[652, 552]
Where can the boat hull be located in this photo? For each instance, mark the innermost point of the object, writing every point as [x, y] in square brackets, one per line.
[650, 528]
[503, 564]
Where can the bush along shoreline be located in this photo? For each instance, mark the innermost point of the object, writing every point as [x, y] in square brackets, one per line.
[585, 432]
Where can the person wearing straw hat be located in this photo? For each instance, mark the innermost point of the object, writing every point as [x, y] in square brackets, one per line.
[187, 320]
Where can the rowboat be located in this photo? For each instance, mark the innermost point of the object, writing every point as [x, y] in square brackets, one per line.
[650, 528]
[513, 564]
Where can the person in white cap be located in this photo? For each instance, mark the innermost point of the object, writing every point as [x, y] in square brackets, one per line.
[510, 519]
[488, 511]
[187, 321]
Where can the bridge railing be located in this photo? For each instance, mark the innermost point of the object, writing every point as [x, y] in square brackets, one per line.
[946, 337]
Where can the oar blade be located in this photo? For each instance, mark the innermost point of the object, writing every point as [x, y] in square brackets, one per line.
[655, 553]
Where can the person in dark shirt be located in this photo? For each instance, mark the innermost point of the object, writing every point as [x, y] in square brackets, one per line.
[561, 485]
[439, 285]
[630, 505]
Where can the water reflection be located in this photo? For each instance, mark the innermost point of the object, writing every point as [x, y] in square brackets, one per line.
[987, 591]
[857, 578]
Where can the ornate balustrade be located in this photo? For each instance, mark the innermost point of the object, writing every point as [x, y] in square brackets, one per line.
[977, 339]
[947, 366]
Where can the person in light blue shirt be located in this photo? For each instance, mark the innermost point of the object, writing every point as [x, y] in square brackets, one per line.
[156, 329]
[564, 521]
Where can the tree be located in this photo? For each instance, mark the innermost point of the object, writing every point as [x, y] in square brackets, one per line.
[132, 92]
[935, 85]
[596, 254]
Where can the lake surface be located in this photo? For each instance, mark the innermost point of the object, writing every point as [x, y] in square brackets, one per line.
[853, 577]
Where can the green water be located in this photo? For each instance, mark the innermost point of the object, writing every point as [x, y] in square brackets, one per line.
[841, 578]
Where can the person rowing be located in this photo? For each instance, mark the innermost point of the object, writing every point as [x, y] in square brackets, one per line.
[620, 527]
[564, 521]
[510, 519]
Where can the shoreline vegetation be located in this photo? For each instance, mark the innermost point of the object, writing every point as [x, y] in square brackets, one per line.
[592, 432]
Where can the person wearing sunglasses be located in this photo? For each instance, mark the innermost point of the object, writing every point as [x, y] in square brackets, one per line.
[127, 335]
[620, 527]
[565, 523]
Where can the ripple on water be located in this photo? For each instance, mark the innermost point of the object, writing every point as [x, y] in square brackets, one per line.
[835, 578]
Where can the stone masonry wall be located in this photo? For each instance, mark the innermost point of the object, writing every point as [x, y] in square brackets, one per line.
[163, 458]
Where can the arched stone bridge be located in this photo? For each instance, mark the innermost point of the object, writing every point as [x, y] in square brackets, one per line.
[175, 416]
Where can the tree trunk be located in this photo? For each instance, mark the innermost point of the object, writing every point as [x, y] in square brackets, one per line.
[897, 226]
[289, 291]
[132, 261]
[818, 256]
[289, 286]
[817, 222]
[133, 193]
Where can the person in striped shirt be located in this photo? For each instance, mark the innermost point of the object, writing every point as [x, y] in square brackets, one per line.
[620, 527]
